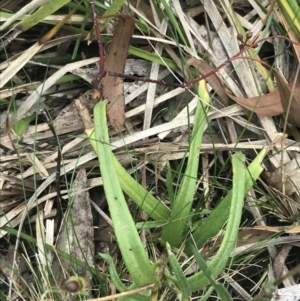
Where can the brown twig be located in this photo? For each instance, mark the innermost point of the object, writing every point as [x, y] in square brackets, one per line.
[8, 129]
[244, 47]
[58, 165]
[97, 81]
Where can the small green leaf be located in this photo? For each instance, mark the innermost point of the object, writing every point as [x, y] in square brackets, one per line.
[220, 289]
[113, 273]
[22, 125]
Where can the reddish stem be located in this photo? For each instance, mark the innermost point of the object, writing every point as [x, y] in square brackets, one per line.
[97, 81]
[185, 85]
[245, 48]
[102, 72]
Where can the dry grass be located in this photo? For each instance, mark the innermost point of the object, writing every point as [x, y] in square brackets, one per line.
[157, 129]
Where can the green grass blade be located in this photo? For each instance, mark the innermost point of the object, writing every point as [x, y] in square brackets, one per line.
[182, 205]
[219, 288]
[129, 242]
[173, 20]
[295, 8]
[290, 16]
[41, 14]
[207, 294]
[113, 273]
[152, 57]
[33, 241]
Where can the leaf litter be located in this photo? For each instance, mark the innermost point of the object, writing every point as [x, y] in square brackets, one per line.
[172, 133]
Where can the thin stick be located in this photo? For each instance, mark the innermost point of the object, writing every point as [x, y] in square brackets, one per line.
[189, 84]
[97, 81]
[124, 294]
[8, 129]
[58, 165]
[245, 48]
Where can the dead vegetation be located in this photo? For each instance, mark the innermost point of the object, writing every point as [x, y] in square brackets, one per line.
[254, 101]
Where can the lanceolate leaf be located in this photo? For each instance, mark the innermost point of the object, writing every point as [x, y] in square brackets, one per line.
[129, 242]
[173, 231]
[266, 105]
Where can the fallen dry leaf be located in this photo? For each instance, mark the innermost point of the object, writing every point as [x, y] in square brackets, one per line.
[246, 236]
[287, 229]
[115, 60]
[266, 105]
[285, 91]
[203, 68]
[291, 177]
[249, 235]
[275, 103]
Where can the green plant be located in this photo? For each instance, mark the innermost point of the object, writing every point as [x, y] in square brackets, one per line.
[133, 253]
[161, 234]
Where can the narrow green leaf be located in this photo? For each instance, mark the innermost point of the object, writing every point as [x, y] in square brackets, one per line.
[141, 196]
[220, 289]
[170, 14]
[129, 242]
[152, 57]
[41, 14]
[290, 16]
[208, 293]
[113, 273]
[183, 202]
[295, 8]
[72, 259]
